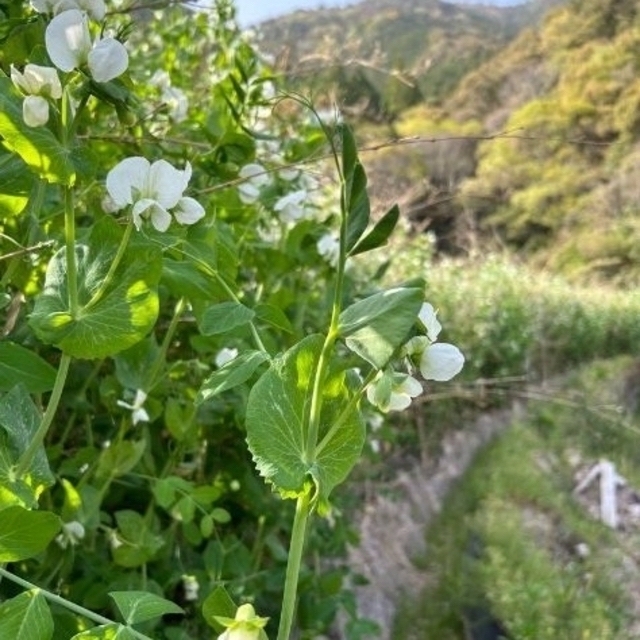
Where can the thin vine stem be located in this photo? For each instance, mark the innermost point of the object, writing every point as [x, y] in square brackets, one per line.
[71, 606]
[27, 457]
[166, 342]
[97, 296]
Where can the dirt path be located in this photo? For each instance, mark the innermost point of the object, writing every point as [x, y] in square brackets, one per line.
[392, 530]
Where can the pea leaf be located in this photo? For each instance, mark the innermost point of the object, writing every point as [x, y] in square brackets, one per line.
[19, 421]
[25, 533]
[120, 458]
[223, 317]
[273, 316]
[232, 374]
[380, 232]
[376, 326]
[358, 206]
[26, 617]
[139, 544]
[139, 606]
[20, 365]
[121, 318]
[218, 604]
[277, 421]
[355, 195]
[16, 182]
[37, 146]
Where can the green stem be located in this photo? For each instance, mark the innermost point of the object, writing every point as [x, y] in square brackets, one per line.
[343, 416]
[166, 342]
[293, 565]
[316, 398]
[97, 296]
[27, 457]
[70, 244]
[71, 606]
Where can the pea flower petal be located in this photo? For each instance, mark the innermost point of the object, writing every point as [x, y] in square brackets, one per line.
[427, 317]
[35, 111]
[441, 361]
[255, 178]
[138, 412]
[69, 46]
[225, 355]
[188, 211]
[107, 60]
[290, 207]
[128, 175]
[36, 80]
[68, 40]
[245, 626]
[166, 183]
[329, 248]
[393, 391]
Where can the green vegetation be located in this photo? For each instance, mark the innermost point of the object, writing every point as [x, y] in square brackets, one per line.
[512, 543]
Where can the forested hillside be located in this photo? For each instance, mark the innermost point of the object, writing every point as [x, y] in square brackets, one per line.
[557, 94]
[381, 56]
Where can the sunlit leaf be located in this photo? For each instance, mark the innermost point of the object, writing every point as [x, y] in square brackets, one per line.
[25, 533]
[37, 146]
[121, 318]
[26, 617]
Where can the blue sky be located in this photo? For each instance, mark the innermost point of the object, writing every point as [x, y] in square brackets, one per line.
[252, 11]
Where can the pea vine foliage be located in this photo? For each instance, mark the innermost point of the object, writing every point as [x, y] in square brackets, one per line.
[111, 252]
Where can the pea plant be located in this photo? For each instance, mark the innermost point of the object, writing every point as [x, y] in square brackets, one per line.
[180, 309]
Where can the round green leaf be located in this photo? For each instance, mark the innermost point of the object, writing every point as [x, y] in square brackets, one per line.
[121, 318]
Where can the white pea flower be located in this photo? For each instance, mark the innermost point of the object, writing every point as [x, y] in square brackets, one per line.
[255, 177]
[72, 533]
[95, 8]
[225, 355]
[191, 588]
[393, 391]
[154, 190]
[69, 46]
[290, 207]
[438, 361]
[37, 84]
[329, 248]
[245, 626]
[173, 97]
[138, 412]
[286, 173]
[115, 541]
[177, 101]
